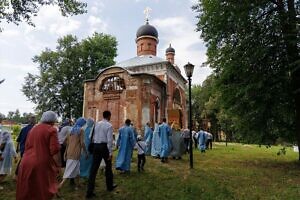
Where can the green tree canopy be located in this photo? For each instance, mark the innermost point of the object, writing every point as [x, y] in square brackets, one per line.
[59, 84]
[17, 11]
[253, 46]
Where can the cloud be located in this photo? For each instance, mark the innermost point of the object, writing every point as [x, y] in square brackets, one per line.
[19, 69]
[64, 27]
[50, 20]
[10, 33]
[96, 24]
[96, 8]
[180, 32]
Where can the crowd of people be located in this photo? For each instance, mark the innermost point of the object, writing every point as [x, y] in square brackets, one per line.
[51, 153]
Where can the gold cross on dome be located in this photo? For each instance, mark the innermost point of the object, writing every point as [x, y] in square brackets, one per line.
[147, 13]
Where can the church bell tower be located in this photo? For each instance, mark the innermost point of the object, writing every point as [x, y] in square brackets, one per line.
[146, 38]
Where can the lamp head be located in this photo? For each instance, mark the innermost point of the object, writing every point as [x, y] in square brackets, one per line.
[189, 68]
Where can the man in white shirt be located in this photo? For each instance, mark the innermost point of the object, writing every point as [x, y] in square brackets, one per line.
[103, 143]
[141, 146]
[209, 140]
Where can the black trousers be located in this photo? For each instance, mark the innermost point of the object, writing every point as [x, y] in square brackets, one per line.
[141, 161]
[209, 144]
[195, 142]
[62, 155]
[100, 151]
[186, 144]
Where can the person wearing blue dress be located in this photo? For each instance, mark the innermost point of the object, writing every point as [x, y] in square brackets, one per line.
[148, 138]
[86, 163]
[126, 142]
[156, 143]
[201, 140]
[164, 132]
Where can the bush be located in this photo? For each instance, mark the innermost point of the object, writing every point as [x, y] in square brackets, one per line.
[15, 131]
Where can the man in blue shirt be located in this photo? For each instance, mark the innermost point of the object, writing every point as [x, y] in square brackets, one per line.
[23, 135]
[21, 140]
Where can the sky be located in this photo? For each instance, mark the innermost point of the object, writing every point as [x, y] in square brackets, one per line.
[174, 20]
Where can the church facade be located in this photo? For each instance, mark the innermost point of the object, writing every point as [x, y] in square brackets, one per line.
[144, 89]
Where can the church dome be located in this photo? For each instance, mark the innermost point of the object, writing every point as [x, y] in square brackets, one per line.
[170, 49]
[147, 30]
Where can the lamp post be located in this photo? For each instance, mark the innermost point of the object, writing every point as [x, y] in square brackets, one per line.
[189, 68]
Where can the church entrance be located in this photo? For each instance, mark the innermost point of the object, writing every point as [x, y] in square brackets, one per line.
[114, 106]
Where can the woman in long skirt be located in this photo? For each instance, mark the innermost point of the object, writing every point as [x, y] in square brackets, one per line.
[74, 143]
[41, 162]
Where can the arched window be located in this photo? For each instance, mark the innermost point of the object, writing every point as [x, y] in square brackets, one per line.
[156, 110]
[177, 97]
[112, 84]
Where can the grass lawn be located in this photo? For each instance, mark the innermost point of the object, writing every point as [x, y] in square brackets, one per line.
[233, 172]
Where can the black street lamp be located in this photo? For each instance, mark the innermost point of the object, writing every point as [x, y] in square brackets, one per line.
[189, 68]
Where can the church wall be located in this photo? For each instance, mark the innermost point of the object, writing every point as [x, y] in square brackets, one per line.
[95, 101]
[172, 85]
[136, 102]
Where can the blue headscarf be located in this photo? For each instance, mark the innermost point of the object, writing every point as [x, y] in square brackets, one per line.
[89, 122]
[79, 123]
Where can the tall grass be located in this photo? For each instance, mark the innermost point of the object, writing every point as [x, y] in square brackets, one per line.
[233, 172]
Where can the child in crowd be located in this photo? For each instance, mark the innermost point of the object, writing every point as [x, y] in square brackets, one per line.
[141, 147]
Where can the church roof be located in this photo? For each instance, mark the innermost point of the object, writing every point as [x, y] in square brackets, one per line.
[141, 60]
[170, 49]
[147, 30]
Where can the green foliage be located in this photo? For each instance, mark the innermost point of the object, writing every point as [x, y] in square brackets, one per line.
[2, 116]
[17, 11]
[17, 117]
[59, 84]
[249, 49]
[15, 131]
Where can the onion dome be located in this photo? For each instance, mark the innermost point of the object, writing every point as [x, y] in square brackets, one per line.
[170, 49]
[147, 30]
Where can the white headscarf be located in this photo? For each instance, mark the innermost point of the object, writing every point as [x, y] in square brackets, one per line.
[49, 117]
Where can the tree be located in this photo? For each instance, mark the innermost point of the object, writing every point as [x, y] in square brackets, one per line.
[17, 11]
[2, 116]
[59, 84]
[253, 46]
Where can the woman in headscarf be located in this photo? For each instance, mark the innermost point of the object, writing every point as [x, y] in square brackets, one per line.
[7, 154]
[74, 143]
[64, 130]
[156, 143]
[148, 138]
[85, 164]
[41, 161]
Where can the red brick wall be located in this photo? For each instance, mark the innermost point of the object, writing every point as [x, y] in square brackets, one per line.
[146, 46]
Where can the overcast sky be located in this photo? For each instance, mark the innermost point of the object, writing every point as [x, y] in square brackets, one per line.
[174, 20]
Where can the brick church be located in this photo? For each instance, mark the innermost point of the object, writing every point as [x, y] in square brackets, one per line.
[144, 88]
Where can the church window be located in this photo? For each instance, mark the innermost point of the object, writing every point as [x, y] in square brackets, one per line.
[177, 97]
[112, 84]
[142, 46]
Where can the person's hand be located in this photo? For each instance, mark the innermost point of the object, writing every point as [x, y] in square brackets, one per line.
[109, 157]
